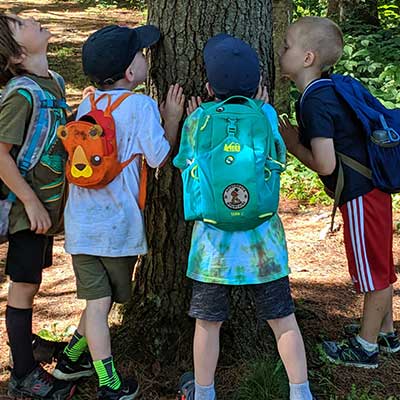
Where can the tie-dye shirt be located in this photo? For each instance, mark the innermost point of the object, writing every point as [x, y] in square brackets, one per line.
[234, 258]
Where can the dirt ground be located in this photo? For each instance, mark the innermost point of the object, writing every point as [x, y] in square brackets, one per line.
[320, 286]
[319, 278]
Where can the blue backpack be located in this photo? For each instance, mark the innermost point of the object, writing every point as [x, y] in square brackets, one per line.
[381, 127]
[37, 133]
[233, 180]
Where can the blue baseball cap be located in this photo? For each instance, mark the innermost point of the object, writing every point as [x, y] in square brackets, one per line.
[232, 66]
[108, 52]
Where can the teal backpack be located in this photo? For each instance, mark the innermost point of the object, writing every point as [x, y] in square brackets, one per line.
[233, 180]
[37, 132]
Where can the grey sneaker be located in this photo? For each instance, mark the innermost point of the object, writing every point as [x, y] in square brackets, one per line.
[388, 343]
[41, 385]
[186, 387]
[349, 352]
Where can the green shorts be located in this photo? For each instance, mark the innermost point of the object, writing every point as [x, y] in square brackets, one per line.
[98, 277]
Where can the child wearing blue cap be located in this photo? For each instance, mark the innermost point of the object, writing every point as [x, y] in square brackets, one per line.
[104, 227]
[220, 259]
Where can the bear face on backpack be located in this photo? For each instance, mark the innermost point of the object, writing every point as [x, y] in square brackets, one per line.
[92, 146]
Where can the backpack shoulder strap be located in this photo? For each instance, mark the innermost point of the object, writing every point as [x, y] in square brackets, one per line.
[118, 102]
[39, 125]
[60, 81]
[353, 164]
[311, 88]
[110, 107]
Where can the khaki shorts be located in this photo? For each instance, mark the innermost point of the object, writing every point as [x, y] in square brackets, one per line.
[98, 277]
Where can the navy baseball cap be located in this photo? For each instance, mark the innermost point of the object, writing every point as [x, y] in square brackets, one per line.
[108, 52]
[232, 66]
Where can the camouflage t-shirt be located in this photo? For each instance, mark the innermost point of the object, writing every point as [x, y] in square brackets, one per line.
[234, 258]
[47, 178]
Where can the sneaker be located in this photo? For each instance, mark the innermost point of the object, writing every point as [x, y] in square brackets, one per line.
[349, 352]
[389, 343]
[68, 370]
[129, 390]
[39, 384]
[186, 387]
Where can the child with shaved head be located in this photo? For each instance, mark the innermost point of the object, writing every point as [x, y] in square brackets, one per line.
[328, 125]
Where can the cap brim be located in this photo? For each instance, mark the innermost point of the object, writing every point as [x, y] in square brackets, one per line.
[147, 35]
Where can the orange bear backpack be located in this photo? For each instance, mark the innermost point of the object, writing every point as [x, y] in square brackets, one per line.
[91, 145]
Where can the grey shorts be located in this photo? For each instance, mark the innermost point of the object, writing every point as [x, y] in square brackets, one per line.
[98, 277]
[210, 301]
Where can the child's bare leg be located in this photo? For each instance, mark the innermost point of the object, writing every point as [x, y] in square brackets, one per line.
[21, 295]
[206, 351]
[290, 347]
[98, 338]
[387, 323]
[376, 309]
[96, 328]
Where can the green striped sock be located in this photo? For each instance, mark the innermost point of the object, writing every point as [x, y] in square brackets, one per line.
[76, 347]
[107, 373]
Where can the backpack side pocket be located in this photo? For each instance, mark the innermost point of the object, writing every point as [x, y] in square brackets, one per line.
[192, 200]
[5, 208]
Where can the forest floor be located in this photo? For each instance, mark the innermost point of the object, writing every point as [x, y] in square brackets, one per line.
[319, 279]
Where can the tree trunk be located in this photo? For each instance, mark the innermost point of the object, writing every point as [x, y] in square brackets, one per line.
[156, 319]
[282, 11]
[365, 11]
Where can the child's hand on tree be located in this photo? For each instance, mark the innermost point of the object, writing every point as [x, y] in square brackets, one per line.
[193, 103]
[171, 109]
[289, 132]
[262, 94]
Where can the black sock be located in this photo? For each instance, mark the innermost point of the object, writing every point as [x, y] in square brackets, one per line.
[19, 329]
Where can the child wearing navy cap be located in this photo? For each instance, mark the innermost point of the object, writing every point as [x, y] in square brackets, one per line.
[104, 228]
[220, 260]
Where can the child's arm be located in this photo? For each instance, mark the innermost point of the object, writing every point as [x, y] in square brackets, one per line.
[171, 111]
[321, 158]
[10, 175]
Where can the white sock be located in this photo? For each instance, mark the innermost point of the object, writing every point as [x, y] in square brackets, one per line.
[367, 346]
[386, 333]
[204, 392]
[300, 391]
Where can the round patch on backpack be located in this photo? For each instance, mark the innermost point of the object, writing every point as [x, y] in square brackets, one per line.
[236, 196]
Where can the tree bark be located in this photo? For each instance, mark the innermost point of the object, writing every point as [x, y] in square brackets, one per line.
[282, 14]
[156, 318]
[365, 11]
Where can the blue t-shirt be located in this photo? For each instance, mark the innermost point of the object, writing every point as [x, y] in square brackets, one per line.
[234, 258]
[325, 114]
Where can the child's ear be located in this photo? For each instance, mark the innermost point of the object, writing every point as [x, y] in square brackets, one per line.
[19, 59]
[129, 74]
[309, 58]
[210, 90]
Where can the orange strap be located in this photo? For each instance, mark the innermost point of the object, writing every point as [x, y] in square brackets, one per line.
[93, 101]
[143, 183]
[143, 178]
[110, 107]
[113, 106]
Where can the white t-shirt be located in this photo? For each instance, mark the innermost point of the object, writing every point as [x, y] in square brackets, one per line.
[108, 222]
